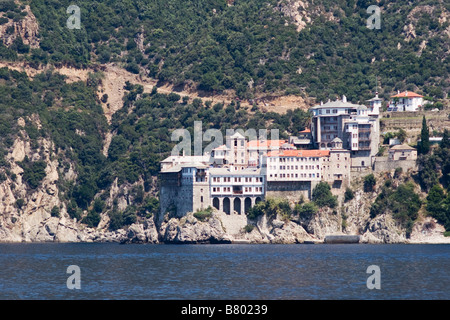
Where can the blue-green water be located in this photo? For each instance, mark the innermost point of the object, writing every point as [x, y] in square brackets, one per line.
[262, 272]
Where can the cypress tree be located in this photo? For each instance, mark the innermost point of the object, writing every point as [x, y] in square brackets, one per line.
[445, 140]
[424, 146]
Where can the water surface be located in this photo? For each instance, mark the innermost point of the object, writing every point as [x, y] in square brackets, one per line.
[114, 271]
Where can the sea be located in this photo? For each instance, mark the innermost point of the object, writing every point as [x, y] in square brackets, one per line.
[110, 271]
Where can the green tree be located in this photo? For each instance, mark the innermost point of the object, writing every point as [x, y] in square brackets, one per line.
[92, 219]
[423, 147]
[322, 195]
[369, 183]
[445, 144]
[435, 199]
[348, 195]
[306, 210]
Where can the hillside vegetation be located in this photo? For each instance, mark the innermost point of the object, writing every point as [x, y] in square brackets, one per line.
[252, 46]
[109, 166]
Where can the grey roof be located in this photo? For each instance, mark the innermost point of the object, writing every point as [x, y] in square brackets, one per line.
[338, 104]
[172, 169]
[402, 147]
[227, 171]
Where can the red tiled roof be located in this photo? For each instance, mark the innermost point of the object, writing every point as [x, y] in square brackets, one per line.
[266, 143]
[407, 94]
[299, 153]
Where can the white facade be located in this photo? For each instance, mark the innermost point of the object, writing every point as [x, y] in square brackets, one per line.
[295, 165]
[356, 125]
[405, 101]
[224, 182]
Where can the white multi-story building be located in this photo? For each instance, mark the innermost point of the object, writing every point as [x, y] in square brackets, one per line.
[241, 173]
[236, 191]
[405, 101]
[295, 165]
[357, 126]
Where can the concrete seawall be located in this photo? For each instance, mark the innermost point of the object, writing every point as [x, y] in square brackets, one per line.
[330, 239]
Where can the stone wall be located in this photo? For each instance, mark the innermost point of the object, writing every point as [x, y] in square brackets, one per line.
[291, 190]
[384, 164]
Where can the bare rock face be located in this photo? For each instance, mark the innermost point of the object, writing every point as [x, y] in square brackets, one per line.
[383, 229]
[27, 28]
[289, 232]
[142, 233]
[190, 230]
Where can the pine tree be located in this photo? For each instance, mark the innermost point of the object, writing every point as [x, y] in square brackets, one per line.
[424, 145]
[445, 140]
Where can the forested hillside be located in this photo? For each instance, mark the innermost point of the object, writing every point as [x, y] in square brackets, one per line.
[53, 127]
[252, 46]
[71, 117]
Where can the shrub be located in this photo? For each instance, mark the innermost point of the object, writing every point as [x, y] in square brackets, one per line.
[398, 172]
[203, 215]
[306, 210]
[33, 172]
[369, 183]
[323, 197]
[99, 205]
[55, 212]
[92, 219]
[73, 211]
[249, 228]
[19, 203]
[118, 220]
[404, 204]
[256, 211]
[348, 195]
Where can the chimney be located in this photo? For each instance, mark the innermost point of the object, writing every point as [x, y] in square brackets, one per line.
[344, 99]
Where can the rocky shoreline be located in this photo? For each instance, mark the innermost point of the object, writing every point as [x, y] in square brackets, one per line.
[189, 230]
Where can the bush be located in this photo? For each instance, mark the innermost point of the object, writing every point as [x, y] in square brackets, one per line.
[369, 183]
[55, 212]
[33, 172]
[92, 219]
[323, 197]
[249, 228]
[118, 219]
[73, 211]
[256, 211]
[348, 195]
[19, 203]
[404, 204]
[306, 210]
[203, 215]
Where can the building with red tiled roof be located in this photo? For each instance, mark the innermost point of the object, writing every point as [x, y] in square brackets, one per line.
[405, 101]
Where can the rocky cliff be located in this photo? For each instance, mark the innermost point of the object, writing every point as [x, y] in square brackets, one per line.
[40, 214]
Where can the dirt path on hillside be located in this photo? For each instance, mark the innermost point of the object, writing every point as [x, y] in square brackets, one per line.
[115, 78]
